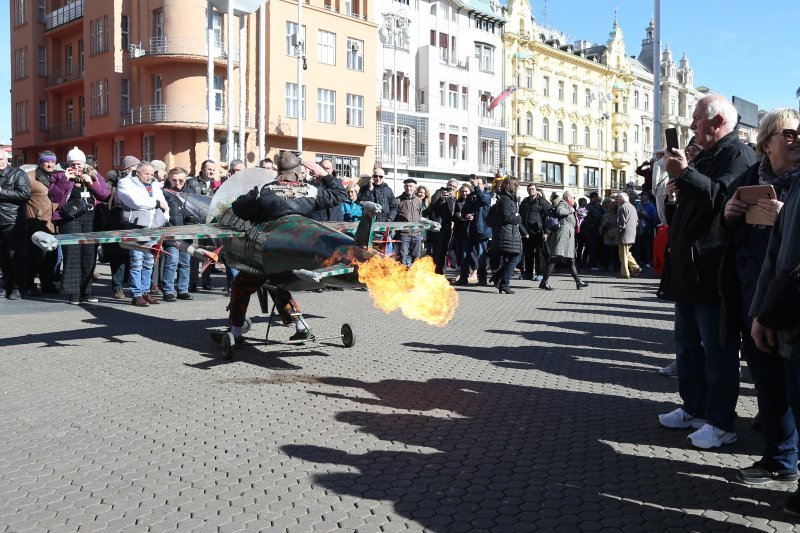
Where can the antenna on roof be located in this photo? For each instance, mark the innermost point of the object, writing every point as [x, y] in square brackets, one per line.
[544, 13]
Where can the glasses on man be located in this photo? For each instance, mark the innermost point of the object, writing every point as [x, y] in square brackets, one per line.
[788, 134]
[376, 176]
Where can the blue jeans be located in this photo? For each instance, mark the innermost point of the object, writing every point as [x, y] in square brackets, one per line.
[474, 258]
[791, 369]
[508, 262]
[708, 372]
[777, 422]
[176, 261]
[410, 248]
[140, 271]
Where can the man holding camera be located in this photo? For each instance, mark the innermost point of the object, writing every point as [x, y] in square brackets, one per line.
[443, 204]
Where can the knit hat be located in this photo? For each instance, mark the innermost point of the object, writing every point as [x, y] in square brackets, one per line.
[47, 155]
[158, 165]
[130, 161]
[76, 155]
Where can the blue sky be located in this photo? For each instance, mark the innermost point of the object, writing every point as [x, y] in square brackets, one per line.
[747, 49]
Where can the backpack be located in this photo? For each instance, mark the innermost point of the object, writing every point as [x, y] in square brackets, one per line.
[491, 217]
[552, 222]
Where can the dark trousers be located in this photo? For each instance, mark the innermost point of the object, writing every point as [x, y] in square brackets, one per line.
[708, 371]
[508, 262]
[79, 259]
[593, 242]
[194, 273]
[39, 263]
[474, 259]
[536, 254]
[12, 255]
[119, 261]
[244, 285]
[441, 246]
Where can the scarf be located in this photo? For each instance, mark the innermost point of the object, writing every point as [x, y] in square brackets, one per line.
[781, 183]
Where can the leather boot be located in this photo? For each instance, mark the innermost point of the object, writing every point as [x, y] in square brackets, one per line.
[150, 299]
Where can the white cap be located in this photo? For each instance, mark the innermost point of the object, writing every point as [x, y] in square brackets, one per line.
[76, 155]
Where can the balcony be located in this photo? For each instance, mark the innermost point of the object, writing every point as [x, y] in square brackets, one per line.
[460, 64]
[496, 122]
[487, 167]
[61, 77]
[191, 116]
[64, 15]
[353, 14]
[620, 160]
[525, 144]
[59, 132]
[576, 152]
[178, 46]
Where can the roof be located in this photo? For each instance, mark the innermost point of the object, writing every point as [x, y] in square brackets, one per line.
[489, 8]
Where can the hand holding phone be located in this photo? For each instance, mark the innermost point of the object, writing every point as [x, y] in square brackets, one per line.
[672, 139]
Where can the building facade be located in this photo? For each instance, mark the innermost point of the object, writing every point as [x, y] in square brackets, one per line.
[123, 78]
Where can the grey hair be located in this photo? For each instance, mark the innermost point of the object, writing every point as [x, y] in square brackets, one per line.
[716, 104]
[144, 164]
[235, 162]
[623, 196]
[568, 194]
[769, 125]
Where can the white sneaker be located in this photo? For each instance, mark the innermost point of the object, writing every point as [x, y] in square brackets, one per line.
[680, 419]
[710, 436]
[670, 370]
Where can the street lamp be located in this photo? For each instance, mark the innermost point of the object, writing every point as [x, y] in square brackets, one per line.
[395, 28]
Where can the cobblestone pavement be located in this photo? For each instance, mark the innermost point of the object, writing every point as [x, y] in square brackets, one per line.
[529, 412]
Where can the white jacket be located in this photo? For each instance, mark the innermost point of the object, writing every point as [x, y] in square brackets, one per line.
[139, 206]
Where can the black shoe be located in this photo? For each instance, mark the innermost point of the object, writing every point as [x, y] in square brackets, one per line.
[506, 290]
[49, 289]
[301, 335]
[757, 474]
[192, 288]
[461, 283]
[34, 291]
[14, 295]
[482, 283]
[207, 287]
[546, 286]
[89, 299]
[581, 284]
[74, 300]
[792, 505]
[170, 297]
[185, 296]
[217, 337]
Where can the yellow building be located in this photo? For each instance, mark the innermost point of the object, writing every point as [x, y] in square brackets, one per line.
[570, 115]
[123, 78]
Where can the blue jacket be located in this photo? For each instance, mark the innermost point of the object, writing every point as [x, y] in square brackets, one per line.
[351, 211]
[478, 204]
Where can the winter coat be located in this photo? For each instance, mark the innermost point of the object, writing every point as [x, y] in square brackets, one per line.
[142, 208]
[507, 227]
[627, 221]
[15, 191]
[533, 212]
[195, 185]
[477, 205]
[594, 216]
[608, 229]
[383, 196]
[562, 241]
[39, 208]
[409, 209]
[272, 206]
[442, 208]
[351, 211]
[693, 255]
[62, 189]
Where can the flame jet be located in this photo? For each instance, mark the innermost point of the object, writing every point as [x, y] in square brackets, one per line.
[293, 252]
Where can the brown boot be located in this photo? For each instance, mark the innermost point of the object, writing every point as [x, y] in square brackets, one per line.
[139, 301]
[150, 299]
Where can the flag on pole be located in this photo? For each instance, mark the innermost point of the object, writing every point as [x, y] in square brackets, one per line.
[502, 96]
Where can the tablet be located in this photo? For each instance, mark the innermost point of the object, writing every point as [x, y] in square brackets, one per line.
[751, 195]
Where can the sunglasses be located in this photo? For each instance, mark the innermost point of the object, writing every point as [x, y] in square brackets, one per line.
[376, 176]
[788, 134]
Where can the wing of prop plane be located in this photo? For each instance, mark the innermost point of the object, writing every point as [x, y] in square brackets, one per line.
[316, 275]
[383, 226]
[194, 231]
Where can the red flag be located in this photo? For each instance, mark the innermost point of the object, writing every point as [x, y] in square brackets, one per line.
[502, 96]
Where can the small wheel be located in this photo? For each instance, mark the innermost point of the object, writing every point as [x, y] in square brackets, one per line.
[228, 344]
[348, 336]
[247, 325]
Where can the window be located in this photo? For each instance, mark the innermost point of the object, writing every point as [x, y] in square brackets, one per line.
[158, 90]
[124, 32]
[442, 100]
[452, 96]
[647, 134]
[572, 175]
[453, 146]
[99, 95]
[546, 86]
[355, 54]
[671, 106]
[326, 47]
[218, 93]
[591, 177]
[552, 172]
[80, 57]
[21, 116]
[646, 102]
[355, 110]
[69, 112]
[464, 98]
[118, 152]
[293, 41]
[575, 94]
[587, 137]
[148, 147]
[444, 47]
[42, 115]
[345, 166]
[42, 61]
[216, 28]
[441, 145]
[529, 123]
[613, 178]
[41, 10]
[396, 86]
[529, 78]
[528, 166]
[636, 133]
[588, 101]
[98, 35]
[624, 104]
[464, 145]
[326, 106]
[486, 155]
[574, 134]
[561, 90]
[21, 63]
[636, 99]
[545, 129]
[291, 100]
[624, 142]
[484, 53]
[20, 16]
[158, 23]
[599, 139]
[125, 96]
[560, 132]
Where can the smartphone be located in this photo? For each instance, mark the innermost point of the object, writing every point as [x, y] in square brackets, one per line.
[672, 139]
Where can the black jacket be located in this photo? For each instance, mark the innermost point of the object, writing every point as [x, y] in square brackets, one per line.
[693, 254]
[442, 208]
[331, 193]
[382, 196]
[508, 226]
[594, 215]
[15, 191]
[195, 185]
[533, 213]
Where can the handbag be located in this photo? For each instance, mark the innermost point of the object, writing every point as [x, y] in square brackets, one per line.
[779, 309]
[73, 209]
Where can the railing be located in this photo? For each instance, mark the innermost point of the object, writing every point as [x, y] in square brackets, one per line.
[178, 46]
[180, 114]
[57, 132]
[453, 62]
[64, 15]
[353, 14]
[486, 167]
[491, 121]
[57, 77]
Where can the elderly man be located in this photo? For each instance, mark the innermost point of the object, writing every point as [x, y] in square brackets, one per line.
[708, 366]
[40, 215]
[409, 210]
[143, 206]
[15, 191]
[204, 183]
[627, 221]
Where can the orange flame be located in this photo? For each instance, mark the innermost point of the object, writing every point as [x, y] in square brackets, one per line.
[419, 292]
